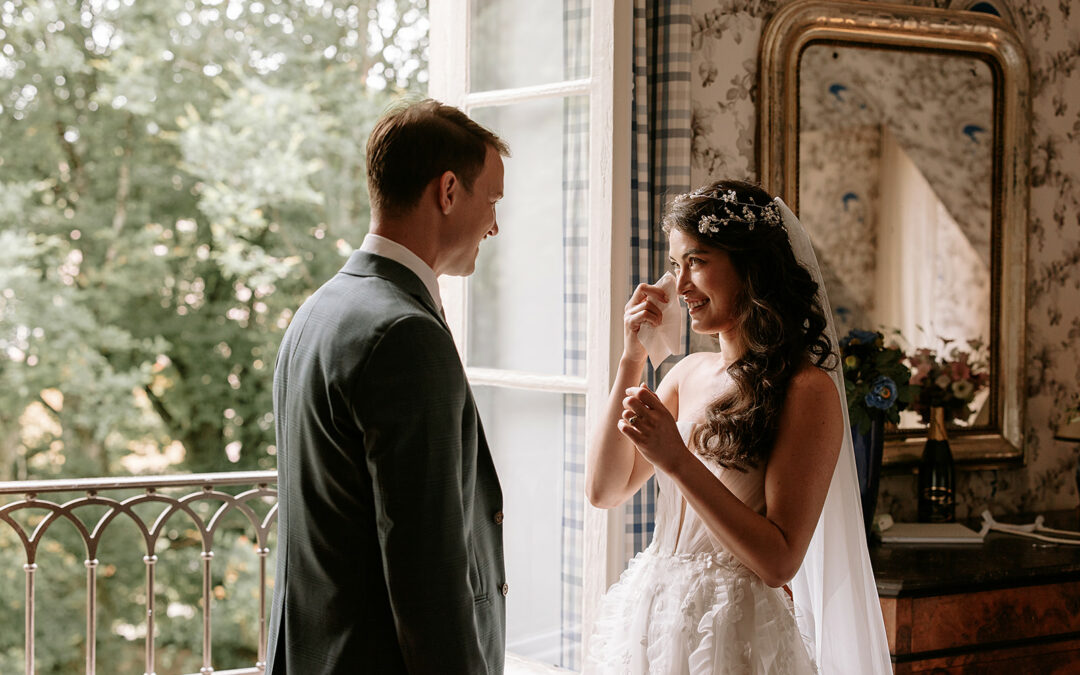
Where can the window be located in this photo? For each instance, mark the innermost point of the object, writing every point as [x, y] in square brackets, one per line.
[539, 322]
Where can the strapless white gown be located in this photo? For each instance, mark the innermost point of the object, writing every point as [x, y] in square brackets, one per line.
[686, 606]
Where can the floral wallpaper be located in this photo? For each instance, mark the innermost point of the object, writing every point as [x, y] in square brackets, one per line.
[838, 205]
[939, 108]
[724, 67]
[844, 206]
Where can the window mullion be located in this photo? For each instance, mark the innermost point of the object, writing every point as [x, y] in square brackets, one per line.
[454, 292]
[498, 377]
[448, 51]
[524, 94]
[448, 67]
[609, 255]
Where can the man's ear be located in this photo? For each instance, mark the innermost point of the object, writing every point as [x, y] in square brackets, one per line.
[449, 189]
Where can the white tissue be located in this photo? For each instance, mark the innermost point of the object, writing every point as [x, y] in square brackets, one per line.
[666, 339]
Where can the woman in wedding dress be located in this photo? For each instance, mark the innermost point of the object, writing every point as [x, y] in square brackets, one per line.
[758, 562]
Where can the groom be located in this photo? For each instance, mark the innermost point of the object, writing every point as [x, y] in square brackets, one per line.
[390, 555]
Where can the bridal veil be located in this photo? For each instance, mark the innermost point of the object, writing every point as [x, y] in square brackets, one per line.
[836, 600]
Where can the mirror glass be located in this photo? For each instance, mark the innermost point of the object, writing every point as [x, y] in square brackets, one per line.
[895, 175]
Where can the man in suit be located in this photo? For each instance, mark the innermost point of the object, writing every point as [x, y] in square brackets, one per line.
[390, 554]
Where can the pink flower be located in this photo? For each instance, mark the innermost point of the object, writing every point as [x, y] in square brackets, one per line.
[922, 369]
[960, 369]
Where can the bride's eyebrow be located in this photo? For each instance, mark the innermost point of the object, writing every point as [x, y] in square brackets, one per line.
[689, 252]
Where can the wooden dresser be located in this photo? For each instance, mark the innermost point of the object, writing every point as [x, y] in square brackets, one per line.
[1009, 605]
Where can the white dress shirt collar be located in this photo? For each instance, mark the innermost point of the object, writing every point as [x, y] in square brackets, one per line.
[388, 248]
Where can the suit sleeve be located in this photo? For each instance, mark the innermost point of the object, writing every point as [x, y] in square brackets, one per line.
[412, 395]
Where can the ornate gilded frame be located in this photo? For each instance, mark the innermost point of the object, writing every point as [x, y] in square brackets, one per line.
[802, 23]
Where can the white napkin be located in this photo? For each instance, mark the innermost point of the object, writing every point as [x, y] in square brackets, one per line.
[666, 339]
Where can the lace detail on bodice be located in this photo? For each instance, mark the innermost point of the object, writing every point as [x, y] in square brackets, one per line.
[678, 528]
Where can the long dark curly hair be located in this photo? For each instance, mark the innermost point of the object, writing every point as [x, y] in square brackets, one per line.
[779, 316]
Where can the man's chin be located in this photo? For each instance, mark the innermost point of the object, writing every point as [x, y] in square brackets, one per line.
[462, 271]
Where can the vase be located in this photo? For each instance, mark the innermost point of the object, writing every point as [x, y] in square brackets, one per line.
[937, 474]
[868, 447]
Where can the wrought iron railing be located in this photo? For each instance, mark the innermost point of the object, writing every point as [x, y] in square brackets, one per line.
[207, 487]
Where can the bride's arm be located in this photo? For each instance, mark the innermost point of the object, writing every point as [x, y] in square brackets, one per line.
[615, 470]
[797, 480]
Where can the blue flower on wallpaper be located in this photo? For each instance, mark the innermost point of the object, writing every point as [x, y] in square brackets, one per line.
[970, 130]
[848, 198]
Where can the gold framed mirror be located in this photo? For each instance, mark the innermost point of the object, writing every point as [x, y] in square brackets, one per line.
[901, 137]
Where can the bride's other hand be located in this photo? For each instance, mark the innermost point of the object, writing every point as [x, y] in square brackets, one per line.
[640, 309]
[648, 424]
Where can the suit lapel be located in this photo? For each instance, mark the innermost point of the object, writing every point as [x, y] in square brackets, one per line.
[364, 264]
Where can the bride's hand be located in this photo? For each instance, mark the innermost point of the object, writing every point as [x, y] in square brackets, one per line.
[640, 309]
[651, 428]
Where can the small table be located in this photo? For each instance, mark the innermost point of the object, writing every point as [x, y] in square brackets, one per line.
[1009, 605]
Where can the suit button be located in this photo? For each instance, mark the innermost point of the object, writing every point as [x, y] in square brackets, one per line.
[498, 517]
[505, 590]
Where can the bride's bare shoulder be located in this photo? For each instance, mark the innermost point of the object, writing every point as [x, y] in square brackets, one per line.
[811, 384]
[692, 363]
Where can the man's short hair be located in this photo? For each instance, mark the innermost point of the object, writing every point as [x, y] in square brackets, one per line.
[413, 144]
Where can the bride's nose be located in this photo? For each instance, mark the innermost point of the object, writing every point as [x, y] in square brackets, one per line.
[682, 279]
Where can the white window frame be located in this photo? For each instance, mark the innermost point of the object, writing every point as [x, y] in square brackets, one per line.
[608, 88]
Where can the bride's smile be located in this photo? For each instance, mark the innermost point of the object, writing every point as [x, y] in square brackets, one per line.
[707, 281]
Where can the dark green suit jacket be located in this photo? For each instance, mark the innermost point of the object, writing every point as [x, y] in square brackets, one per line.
[390, 555]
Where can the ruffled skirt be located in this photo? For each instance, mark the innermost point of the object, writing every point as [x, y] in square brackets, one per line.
[695, 614]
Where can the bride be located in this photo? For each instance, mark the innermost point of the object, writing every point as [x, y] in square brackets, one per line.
[758, 562]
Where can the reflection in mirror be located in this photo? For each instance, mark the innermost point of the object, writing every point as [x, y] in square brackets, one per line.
[895, 177]
[908, 128]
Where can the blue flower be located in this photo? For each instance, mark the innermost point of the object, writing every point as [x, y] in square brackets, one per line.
[882, 393]
[859, 337]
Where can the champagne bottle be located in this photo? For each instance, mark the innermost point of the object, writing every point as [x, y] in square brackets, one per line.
[937, 474]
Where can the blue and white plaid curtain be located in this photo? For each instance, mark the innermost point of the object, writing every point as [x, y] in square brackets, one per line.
[660, 168]
[575, 249]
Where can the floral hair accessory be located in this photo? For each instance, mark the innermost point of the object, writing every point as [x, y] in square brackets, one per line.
[735, 211]
[708, 223]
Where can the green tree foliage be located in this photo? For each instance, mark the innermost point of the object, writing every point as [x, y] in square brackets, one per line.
[176, 177]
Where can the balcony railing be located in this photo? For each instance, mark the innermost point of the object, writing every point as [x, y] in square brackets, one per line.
[40, 496]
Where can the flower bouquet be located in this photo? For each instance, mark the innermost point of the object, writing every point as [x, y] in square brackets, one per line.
[949, 381]
[876, 378]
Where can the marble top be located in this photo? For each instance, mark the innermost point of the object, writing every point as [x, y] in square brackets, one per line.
[1001, 561]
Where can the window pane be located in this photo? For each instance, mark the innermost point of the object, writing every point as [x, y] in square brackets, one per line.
[516, 44]
[527, 297]
[537, 442]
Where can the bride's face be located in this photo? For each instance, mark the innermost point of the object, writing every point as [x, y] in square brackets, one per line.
[707, 281]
